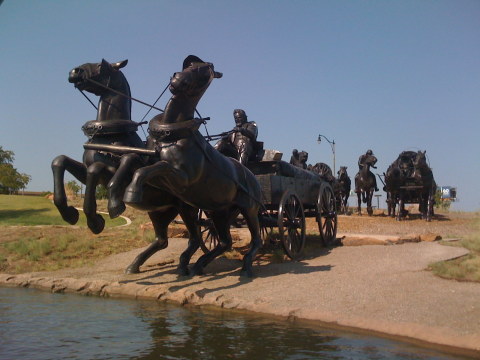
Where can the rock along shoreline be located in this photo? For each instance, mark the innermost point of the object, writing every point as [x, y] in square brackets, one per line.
[381, 289]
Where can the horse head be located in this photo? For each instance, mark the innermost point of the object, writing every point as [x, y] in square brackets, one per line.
[303, 158]
[105, 79]
[393, 177]
[342, 173]
[187, 88]
[369, 162]
[195, 77]
[88, 76]
[420, 161]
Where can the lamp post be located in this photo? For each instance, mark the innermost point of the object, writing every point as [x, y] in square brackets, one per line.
[332, 145]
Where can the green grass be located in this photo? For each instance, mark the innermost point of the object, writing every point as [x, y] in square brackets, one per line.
[465, 268]
[36, 210]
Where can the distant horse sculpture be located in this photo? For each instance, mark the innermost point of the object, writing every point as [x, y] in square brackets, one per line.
[365, 184]
[394, 179]
[342, 188]
[424, 176]
[113, 125]
[192, 170]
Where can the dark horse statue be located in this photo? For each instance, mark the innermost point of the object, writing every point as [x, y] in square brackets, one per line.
[399, 177]
[365, 184]
[423, 175]
[342, 188]
[113, 125]
[394, 179]
[190, 169]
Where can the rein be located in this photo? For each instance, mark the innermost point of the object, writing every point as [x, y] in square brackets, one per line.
[125, 96]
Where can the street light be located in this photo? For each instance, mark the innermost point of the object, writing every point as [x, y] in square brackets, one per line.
[332, 145]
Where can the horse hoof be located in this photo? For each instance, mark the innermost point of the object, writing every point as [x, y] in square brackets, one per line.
[96, 224]
[247, 273]
[132, 196]
[70, 215]
[183, 271]
[132, 269]
[116, 210]
[196, 270]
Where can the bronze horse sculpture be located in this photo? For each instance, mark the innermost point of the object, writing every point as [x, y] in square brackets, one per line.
[113, 128]
[190, 169]
[341, 189]
[424, 176]
[365, 184]
[113, 125]
[394, 179]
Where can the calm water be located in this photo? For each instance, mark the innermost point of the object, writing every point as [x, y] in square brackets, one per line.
[40, 325]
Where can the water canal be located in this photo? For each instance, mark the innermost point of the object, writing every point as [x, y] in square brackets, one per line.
[39, 325]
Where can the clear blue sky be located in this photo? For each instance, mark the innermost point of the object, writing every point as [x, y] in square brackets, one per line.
[385, 75]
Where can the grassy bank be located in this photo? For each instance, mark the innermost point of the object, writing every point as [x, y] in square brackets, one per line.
[466, 268]
[26, 245]
[20, 210]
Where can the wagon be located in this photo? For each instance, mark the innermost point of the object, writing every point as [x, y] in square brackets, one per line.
[290, 195]
[409, 180]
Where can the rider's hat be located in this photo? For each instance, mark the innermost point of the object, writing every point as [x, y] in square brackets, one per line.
[239, 111]
[369, 152]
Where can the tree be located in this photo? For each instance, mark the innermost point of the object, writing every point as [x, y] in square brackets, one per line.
[6, 156]
[441, 203]
[73, 186]
[101, 192]
[10, 179]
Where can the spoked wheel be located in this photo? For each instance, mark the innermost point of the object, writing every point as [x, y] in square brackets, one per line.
[327, 215]
[266, 227]
[291, 225]
[207, 231]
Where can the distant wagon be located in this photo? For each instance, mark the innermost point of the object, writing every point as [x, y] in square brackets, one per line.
[409, 180]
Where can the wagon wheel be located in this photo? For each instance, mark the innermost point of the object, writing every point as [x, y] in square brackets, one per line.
[209, 235]
[291, 225]
[327, 214]
[266, 229]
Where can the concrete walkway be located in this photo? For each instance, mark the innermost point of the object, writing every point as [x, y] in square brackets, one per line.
[385, 289]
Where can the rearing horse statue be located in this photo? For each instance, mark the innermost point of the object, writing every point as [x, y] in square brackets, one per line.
[113, 125]
[365, 184]
[190, 169]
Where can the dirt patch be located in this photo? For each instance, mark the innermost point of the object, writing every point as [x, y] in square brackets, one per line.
[447, 225]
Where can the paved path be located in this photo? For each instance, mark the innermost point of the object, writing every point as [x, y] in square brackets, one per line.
[379, 288]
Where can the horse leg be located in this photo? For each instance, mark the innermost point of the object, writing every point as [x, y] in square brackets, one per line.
[189, 216]
[163, 174]
[359, 208]
[61, 164]
[392, 205]
[116, 187]
[95, 172]
[221, 221]
[401, 206]
[251, 216]
[369, 202]
[160, 220]
[430, 206]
